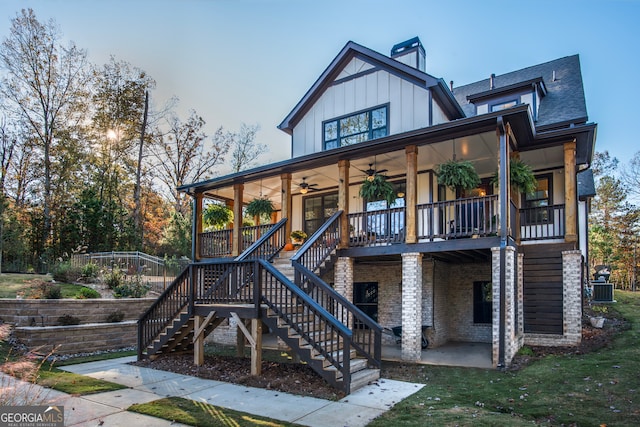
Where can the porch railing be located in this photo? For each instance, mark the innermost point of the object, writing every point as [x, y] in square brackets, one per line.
[474, 216]
[380, 226]
[217, 244]
[545, 222]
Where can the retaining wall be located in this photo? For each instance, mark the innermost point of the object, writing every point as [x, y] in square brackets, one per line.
[45, 312]
[79, 338]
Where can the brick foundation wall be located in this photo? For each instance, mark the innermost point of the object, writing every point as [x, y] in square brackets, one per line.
[460, 303]
[79, 338]
[36, 312]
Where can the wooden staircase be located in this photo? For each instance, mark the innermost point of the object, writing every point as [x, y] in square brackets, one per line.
[361, 373]
[319, 330]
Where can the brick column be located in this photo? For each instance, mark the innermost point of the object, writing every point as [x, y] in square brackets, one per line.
[343, 280]
[572, 296]
[520, 299]
[411, 306]
[512, 340]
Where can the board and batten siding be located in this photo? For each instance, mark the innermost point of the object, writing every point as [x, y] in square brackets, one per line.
[408, 104]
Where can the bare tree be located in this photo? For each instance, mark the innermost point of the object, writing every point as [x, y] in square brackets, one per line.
[184, 155]
[45, 82]
[244, 148]
[631, 177]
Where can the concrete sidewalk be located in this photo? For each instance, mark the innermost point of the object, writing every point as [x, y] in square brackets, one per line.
[146, 385]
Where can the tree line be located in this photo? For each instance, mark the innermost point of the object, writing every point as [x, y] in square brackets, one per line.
[614, 219]
[88, 162]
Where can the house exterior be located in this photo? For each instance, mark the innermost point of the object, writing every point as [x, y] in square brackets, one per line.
[485, 265]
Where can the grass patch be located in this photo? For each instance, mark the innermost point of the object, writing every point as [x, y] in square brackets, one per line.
[599, 388]
[200, 414]
[71, 383]
[13, 283]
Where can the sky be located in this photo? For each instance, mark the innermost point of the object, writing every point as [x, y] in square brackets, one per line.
[251, 61]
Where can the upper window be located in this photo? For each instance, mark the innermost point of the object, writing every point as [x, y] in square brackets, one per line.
[537, 204]
[503, 105]
[359, 127]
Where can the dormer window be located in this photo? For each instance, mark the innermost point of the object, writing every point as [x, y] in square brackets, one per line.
[356, 128]
[504, 105]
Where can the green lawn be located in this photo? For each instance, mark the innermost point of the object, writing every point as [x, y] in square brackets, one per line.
[12, 283]
[596, 389]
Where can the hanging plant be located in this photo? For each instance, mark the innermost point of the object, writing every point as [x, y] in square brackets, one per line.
[521, 176]
[217, 216]
[458, 174]
[378, 189]
[259, 207]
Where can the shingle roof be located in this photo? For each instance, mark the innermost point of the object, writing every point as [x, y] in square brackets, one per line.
[564, 101]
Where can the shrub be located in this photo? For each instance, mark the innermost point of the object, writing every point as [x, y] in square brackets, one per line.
[114, 278]
[67, 319]
[44, 290]
[115, 317]
[87, 293]
[135, 287]
[90, 270]
[65, 272]
[53, 292]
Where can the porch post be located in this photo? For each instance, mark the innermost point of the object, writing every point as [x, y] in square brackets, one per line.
[286, 204]
[236, 238]
[411, 306]
[411, 194]
[198, 227]
[343, 201]
[570, 200]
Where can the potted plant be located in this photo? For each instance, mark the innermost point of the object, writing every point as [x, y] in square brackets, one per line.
[458, 174]
[521, 176]
[259, 207]
[378, 189]
[298, 237]
[217, 216]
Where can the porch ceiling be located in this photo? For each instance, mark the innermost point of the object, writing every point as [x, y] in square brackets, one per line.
[480, 149]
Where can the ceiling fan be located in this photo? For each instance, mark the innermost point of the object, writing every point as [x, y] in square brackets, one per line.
[371, 172]
[305, 187]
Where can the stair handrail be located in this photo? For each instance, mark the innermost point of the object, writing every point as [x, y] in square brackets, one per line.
[260, 246]
[167, 306]
[320, 245]
[310, 305]
[368, 342]
[306, 262]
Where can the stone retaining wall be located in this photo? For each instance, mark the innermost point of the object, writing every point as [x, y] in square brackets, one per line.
[36, 312]
[79, 338]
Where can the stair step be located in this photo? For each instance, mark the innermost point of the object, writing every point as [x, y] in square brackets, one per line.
[364, 377]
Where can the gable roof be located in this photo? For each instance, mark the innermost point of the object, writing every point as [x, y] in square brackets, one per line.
[564, 101]
[439, 88]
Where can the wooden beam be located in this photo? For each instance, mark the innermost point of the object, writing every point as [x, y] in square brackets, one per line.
[198, 226]
[286, 204]
[256, 350]
[570, 192]
[343, 201]
[198, 344]
[244, 330]
[199, 330]
[236, 238]
[411, 193]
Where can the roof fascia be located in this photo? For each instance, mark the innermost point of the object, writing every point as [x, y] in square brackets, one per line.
[506, 89]
[348, 52]
[519, 117]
